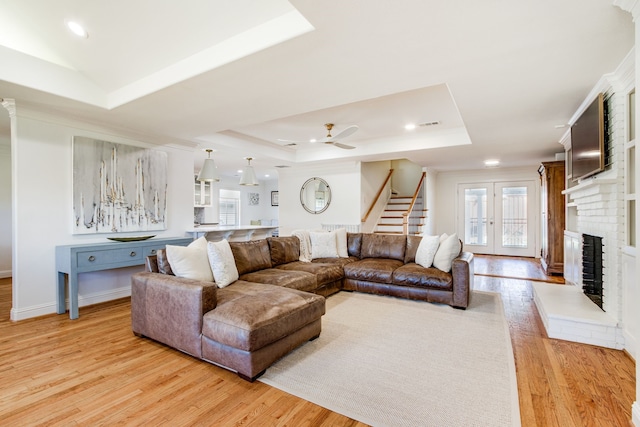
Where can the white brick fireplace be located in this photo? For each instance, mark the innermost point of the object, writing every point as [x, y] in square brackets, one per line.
[565, 311]
[595, 206]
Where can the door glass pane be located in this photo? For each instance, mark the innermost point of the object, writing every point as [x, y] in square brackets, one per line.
[631, 170]
[475, 216]
[632, 115]
[514, 217]
[631, 229]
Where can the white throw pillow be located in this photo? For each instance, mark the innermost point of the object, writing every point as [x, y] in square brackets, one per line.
[323, 245]
[191, 261]
[223, 265]
[447, 251]
[427, 250]
[341, 242]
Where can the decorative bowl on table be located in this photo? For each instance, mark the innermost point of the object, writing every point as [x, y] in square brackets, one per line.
[130, 238]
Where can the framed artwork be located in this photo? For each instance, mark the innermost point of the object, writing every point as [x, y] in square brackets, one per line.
[254, 199]
[274, 198]
[118, 188]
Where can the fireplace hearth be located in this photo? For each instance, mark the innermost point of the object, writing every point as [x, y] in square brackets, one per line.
[592, 268]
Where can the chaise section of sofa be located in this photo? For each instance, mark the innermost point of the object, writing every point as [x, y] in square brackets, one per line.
[244, 327]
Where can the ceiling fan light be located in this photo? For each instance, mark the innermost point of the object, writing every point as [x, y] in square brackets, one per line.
[209, 172]
[248, 176]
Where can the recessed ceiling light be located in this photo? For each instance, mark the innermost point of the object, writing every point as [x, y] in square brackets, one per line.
[410, 126]
[312, 140]
[77, 29]
[239, 170]
[491, 162]
[266, 176]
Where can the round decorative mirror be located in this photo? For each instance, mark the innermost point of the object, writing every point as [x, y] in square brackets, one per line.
[315, 195]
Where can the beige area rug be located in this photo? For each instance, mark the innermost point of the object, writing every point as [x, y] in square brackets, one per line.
[392, 362]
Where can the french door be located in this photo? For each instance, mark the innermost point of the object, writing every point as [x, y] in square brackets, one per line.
[498, 218]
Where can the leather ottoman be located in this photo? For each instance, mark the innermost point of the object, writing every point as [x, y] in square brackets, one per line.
[256, 324]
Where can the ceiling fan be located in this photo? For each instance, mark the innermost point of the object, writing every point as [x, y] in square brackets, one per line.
[332, 139]
[342, 134]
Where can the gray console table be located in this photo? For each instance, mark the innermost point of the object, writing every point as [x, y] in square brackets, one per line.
[74, 259]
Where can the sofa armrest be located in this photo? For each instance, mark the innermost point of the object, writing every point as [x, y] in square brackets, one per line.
[169, 309]
[462, 273]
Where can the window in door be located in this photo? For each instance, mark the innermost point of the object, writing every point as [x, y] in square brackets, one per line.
[514, 217]
[475, 212]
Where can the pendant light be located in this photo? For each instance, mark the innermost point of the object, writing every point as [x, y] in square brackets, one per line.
[248, 174]
[209, 172]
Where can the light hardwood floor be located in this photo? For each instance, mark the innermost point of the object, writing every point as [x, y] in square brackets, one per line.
[93, 371]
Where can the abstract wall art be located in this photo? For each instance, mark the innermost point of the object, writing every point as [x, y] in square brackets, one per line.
[118, 188]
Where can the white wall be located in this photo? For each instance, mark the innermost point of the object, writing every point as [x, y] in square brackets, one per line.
[406, 176]
[429, 228]
[262, 211]
[373, 174]
[344, 181]
[5, 204]
[42, 203]
[636, 266]
[446, 193]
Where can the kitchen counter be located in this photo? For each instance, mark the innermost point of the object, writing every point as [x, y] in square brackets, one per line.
[233, 233]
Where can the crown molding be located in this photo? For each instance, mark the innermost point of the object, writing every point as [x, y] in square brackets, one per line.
[622, 77]
[10, 105]
[631, 6]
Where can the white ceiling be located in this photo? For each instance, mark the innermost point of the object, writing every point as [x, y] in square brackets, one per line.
[239, 75]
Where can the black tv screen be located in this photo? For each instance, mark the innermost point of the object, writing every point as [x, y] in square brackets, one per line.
[587, 141]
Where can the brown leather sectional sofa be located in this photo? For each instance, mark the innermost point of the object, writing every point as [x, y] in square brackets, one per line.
[277, 303]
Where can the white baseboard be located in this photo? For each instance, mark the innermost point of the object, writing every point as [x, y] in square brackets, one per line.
[635, 414]
[49, 308]
[630, 345]
[5, 273]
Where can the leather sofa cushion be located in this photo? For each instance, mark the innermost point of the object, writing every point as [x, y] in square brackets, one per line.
[251, 256]
[284, 249]
[354, 244]
[412, 247]
[163, 262]
[324, 273]
[389, 246]
[413, 274]
[250, 316]
[299, 280]
[335, 261]
[378, 270]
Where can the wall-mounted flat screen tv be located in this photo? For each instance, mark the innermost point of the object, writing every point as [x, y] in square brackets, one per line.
[588, 141]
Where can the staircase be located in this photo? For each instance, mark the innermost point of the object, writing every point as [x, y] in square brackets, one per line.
[391, 220]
